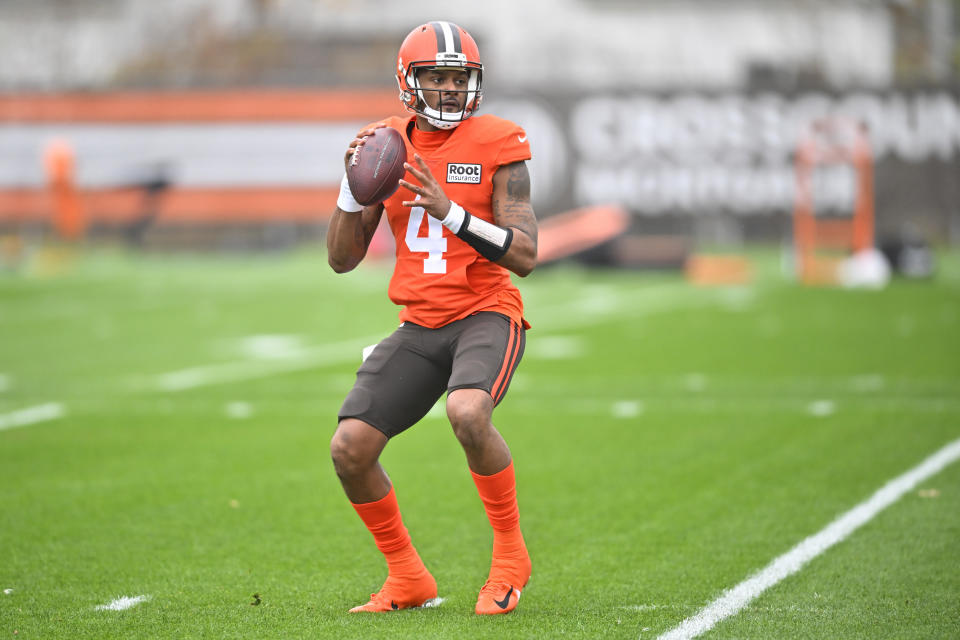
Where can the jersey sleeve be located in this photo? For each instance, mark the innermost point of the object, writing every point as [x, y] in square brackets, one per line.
[515, 147]
[397, 122]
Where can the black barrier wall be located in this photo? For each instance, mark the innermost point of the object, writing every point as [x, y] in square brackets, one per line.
[678, 160]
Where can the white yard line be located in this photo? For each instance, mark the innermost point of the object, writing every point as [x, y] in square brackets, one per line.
[597, 306]
[122, 603]
[735, 599]
[609, 403]
[243, 370]
[32, 415]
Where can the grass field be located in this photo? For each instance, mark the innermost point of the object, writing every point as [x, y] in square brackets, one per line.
[669, 441]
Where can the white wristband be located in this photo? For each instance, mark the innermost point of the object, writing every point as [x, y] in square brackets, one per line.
[346, 202]
[454, 219]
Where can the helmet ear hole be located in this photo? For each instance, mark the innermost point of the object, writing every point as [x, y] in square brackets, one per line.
[414, 94]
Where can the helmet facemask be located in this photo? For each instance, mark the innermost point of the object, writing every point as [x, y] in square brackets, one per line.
[439, 118]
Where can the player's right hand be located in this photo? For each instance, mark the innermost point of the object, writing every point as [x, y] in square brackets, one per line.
[357, 142]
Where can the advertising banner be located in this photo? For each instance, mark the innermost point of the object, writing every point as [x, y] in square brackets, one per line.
[692, 155]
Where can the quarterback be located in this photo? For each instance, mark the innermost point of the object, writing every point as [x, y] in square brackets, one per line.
[462, 221]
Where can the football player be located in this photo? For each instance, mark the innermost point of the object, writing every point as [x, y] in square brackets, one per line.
[462, 220]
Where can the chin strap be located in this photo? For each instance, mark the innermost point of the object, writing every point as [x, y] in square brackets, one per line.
[443, 124]
[435, 117]
[490, 241]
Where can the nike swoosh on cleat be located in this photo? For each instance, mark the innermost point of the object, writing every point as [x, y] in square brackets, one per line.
[506, 600]
[393, 605]
[522, 138]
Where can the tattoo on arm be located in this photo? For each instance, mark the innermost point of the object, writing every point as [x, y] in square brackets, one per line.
[514, 210]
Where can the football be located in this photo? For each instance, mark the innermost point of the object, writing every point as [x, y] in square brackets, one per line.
[375, 170]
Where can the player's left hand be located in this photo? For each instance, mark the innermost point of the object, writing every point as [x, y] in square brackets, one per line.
[432, 198]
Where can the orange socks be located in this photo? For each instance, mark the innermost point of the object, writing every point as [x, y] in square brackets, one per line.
[499, 495]
[382, 518]
[408, 582]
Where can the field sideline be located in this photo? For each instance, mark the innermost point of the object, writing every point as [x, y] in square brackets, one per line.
[164, 424]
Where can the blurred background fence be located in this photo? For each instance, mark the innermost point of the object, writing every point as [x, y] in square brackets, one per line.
[218, 123]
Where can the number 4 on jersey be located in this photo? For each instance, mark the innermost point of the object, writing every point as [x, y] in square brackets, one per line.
[434, 244]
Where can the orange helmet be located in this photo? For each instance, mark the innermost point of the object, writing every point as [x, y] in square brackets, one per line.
[439, 45]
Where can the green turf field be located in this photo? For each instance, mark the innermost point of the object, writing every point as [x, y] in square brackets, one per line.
[669, 442]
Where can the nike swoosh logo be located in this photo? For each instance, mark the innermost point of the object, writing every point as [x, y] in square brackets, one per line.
[506, 600]
[522, 138]
[393, 605]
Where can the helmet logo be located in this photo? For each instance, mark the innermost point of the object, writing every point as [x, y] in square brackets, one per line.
[451, 59]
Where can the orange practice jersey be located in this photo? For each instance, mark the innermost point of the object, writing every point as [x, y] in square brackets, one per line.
[439, 278]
